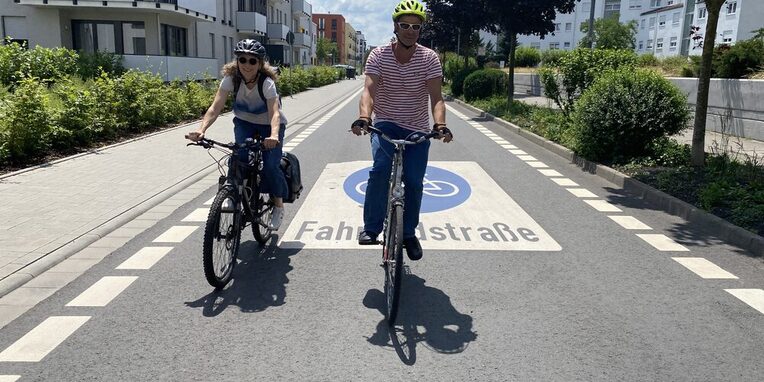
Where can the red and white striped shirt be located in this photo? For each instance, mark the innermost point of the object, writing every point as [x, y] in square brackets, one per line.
[402, 90]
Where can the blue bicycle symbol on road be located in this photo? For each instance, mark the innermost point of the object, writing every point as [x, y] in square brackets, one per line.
[442, 189]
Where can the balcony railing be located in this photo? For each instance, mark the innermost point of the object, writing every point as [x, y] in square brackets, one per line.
[302, 40]
[301, 7]
[277, 32]
[163, 6]
[172, 67]
[251, 22]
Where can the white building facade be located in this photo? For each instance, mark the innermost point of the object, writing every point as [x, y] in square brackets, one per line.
[175, 38]
[663, 26]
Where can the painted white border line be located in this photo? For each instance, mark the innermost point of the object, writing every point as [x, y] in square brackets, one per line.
[582, 193]
[549, 172]
[103, 291]
[602, 205]
[175, 234]
[662, 242]
[629, 222]
[145, 258]
[752, 297]
[41, 340]
[9, 378]
[704, 268]
[565, 182]
[198, 215]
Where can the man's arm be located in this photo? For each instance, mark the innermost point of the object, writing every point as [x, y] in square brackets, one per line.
[437, 103]
[366, 106]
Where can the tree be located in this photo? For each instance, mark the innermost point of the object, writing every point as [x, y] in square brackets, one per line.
[609, 33]
[701, 104]
[523, 17]
[325, 49]
[453, 24]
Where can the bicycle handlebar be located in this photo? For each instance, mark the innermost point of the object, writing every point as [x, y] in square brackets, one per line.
[209, 143]
[406, 141]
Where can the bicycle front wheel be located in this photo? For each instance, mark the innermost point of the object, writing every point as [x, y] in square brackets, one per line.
[221, 238]
[262, 210]
[393, 260]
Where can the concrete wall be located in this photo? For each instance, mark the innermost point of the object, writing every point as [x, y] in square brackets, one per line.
[733, 105]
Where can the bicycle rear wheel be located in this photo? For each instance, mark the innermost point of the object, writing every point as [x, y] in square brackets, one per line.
[262, 210]
[221, 238]
[393, 260]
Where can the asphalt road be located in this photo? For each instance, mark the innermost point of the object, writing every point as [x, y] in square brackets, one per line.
[576, 296]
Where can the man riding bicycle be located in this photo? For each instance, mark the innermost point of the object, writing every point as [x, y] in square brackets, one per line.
[400, 77]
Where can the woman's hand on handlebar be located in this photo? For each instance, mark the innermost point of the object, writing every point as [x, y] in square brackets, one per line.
[270, 142]
[195, 136]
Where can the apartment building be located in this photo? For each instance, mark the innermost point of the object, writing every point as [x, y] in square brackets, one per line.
[351, 45]
[332, 27]
[175, 38]
[663, 26]
[360, 52]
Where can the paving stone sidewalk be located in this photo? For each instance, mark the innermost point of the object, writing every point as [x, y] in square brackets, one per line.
[50, 212]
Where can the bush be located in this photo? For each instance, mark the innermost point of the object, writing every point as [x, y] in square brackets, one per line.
[322, 75]
[577, 70]
[739, 60]
[552, 56]
[25, 122]
[454, 65]
[457, 83]
[624, 112]
[676, 65]
[527, 57]
[647, 59]
[46, 64]
[485, 83]
[92, 64]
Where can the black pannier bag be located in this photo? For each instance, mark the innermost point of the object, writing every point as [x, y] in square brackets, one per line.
[291, 168]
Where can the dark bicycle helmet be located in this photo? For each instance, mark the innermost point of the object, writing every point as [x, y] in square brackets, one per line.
[250, 46]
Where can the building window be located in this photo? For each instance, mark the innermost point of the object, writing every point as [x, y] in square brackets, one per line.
[107, 36]
[655, 3]
[212, 45]
[556, 27]
[675, 18]
[612, 8]
[173, 41]
[649, 44]
[727, 37]
[225, 47]
[662, 21]
[321, 24]
[566, 45]
[334, 36]
[702, 13]
[635, 4]
[642, 24]
[334, 23]
[554, 45]
[672, 43]
[641, 45]
[659, 44]
[536, 45]
[732, 8]
[568, 27]
[652, 22]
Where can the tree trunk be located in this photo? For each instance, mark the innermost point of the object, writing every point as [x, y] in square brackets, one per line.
[704, 82]
[512, 46]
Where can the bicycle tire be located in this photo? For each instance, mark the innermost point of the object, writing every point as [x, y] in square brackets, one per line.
[222, 236]
[393, 268]
[263, 208]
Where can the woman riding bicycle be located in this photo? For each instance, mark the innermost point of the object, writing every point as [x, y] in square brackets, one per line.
[399, 79]
[256, 113]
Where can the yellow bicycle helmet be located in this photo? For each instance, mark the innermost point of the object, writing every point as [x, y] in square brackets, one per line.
[409, 7]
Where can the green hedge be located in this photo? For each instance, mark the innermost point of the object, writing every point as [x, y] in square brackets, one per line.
[527, 57]
[485, 84]
[624, 112]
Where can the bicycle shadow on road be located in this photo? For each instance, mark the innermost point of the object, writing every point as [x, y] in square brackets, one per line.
[446, 330]
[258, 283]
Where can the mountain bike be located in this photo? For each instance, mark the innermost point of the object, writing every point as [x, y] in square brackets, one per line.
[238, 203]
[392, 231]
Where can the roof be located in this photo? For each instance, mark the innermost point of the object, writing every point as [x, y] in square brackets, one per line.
[666, 8]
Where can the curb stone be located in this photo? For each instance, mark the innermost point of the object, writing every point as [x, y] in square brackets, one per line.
[726, 231]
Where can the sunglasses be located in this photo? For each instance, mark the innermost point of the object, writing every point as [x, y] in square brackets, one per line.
[406, 26]
[244, 60]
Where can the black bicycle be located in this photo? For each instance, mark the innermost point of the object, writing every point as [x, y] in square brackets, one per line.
[392, 242]
[238, 203]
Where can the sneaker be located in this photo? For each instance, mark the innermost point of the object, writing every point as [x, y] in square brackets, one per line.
[276, 216]
[367, 238]
[413, 249]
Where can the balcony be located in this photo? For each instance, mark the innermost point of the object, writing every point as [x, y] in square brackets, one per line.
[277, 33]
[302, 40]
[169, 7]
[171, 67]
[251, 22]
[301, 7]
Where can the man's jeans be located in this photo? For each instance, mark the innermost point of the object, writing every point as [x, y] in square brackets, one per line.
[414, 166]
[274, 182]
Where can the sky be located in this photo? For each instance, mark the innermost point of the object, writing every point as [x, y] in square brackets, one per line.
[372, 17]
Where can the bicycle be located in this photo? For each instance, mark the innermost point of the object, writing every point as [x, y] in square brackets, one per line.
[392, 231]
[238, 202]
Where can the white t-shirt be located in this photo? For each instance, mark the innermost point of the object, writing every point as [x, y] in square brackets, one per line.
[248, 105]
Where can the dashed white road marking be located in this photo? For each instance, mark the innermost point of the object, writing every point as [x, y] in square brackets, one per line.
[602, 206]
[550, 172]
[518, 152]
[629, 222]
[536, 164]
[175, 234]
[752, 297]
[527, 157]
[198, 215]
[662, 242]
[9, 378]
[582, 193]
[145, 258]
[41, 340]
[509, 146]
[103, 291]
[704, 268]
[565, 182]
[209, 202]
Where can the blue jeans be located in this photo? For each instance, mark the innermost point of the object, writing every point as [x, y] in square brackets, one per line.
[414, 166]
[274, 182]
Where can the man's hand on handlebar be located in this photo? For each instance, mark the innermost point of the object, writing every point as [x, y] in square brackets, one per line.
[360, 126]
[195, 136]
[445, 133]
